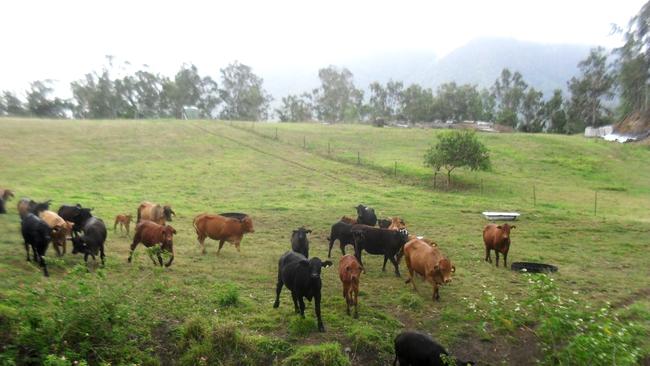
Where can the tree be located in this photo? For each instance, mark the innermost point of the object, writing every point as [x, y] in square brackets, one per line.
[633, 65]
[532, 110]
[589, 90]
[509, 92]
[554, 114]
[242, 94]
[189, 89]
[337, 99]
[457, 149]
[385, 102]
[457, 103]
[12, 105]
[417, 104]
[295, 108]
[41, 104]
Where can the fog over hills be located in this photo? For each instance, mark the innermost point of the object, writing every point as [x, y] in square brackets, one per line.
[544, 66]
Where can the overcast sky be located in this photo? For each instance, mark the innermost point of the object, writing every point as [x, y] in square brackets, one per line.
[63, 40]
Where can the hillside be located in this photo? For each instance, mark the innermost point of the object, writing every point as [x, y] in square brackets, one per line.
[208, 309]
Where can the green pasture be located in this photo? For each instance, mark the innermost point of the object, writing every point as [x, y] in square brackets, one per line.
[185, 314]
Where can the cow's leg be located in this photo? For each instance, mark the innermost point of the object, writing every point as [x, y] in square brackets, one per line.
[115, 226]
[27, 250]
[321, 327]
[136, 241]
[101, 254]
[487, 255]
[355, 290]
[383, 268]
[42, 263]
[160, 261]
[201, 239]
[278, 289]
[64, 245]
[411, 278]
[357, 253]
[296, 309]
[496, 253]
[237, 245]
[58, 249]
[392, 259]
[505, 260]
[342, 245]
[301, 303]
[127, 228]
[329, 252]
[346, 295]
[220, 246]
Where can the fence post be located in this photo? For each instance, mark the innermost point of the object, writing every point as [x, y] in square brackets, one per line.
[358, 158]
[595, 202]
[534, 196]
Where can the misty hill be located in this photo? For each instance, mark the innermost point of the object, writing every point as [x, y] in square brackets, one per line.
[544, 66]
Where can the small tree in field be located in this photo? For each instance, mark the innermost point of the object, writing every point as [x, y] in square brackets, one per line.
[457, 149]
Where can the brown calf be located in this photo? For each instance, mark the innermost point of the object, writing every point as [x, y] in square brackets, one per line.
[61, 229]
[348, 220]
[427, 261]
[124, 221]
[497, 238]
[149, 233]
[6, 194]
[217, 227]
[350, 273]
[396, 223]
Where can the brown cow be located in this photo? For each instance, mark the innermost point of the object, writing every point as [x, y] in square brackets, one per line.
[6, 194]
[149, 233]
[217, 227]
[124, 221]
[348, 220]
[350, 273]
[155, 212]
[497, 238]
[396, 223]
[61, 229]
[428, 262]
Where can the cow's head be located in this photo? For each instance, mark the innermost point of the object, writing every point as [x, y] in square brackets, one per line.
[396, 223]
[315, 265]
[37, 208]
[505, 231]
[168, 212]
[167, 234]
[348, 220]
[78, 245]
[8, 194]
[247, 224]
[361, 209]
[353, 270]
[83, 215]
[402, 235]
[384, 223]
[300, 234]
[442, 271]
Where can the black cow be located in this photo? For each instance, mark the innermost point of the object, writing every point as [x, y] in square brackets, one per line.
[92, 240]
[342, 232]
[379, 241]
[302, 278]
[26, 206]
[300, 242]
[36, 233]
[366, 215]
[415, 349]
[76, 214]
[2, 206]
[384, 223]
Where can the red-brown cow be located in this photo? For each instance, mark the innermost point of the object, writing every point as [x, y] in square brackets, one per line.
[149, 233]
[124, 221]
[427, 261]
[217, 227]
[350, 273]
[497, 238]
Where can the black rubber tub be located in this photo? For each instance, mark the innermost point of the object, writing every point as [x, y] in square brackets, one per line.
[236, 215]
[531, 267]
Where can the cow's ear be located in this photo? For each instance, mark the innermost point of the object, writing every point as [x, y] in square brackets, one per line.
[499, 227]
[326, 264]
[453, 269]
[173, 230]
[513, 226]
[308, 231]
[304, 263]
[295, 231]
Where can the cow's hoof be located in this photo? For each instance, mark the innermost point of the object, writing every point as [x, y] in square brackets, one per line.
[276, 304]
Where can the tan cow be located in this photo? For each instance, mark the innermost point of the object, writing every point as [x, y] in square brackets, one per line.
[350, 273]
[154, 212]
[6, 194]
[124, 221]
[348, 220]
[428, 262]
[61, 229]
[396, 223]
[217, 227]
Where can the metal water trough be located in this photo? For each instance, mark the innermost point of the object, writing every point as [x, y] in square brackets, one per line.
[493, 215]
[532, 267]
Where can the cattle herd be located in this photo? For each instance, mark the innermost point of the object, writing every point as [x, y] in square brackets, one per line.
[296, 270]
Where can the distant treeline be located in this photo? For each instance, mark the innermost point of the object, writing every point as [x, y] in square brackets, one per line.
[623, 73]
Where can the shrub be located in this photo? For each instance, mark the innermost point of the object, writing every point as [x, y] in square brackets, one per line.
[367, 339]
[411, 301]
[325, 354]
[302, 326]
[229, 296]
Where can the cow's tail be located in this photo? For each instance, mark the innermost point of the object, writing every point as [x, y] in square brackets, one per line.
[137, 221]
[194, 223]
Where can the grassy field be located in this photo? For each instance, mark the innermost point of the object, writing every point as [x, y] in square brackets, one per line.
[209, 309]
